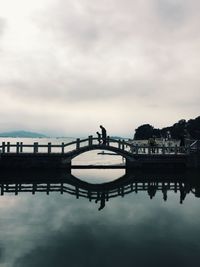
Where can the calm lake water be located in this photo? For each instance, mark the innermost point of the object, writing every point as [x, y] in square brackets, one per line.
[144, 227]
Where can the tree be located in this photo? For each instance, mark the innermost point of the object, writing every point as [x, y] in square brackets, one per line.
[144, 131]
[193, 127]
[177, 130]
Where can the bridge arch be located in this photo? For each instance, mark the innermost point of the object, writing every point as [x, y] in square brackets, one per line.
[125, 154]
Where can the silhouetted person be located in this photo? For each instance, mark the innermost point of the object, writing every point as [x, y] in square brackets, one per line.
[183, 192]
[197, 191]
[152, 190]
[152, 143]
[102, 199]
[168, 137]
[99, 137]
[164, 191]
[104, 134]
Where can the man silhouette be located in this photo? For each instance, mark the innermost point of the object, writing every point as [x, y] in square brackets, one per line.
[102, 199]
[104, 134]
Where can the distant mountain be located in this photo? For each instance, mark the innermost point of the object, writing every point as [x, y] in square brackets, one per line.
[22, 134]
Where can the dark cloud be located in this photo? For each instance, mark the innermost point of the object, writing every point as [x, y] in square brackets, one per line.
[94, 29]
[171, 13]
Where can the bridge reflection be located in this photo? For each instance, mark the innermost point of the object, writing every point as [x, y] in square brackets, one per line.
[183, 183]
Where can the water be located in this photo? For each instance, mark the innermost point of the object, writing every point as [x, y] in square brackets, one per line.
[132, 229]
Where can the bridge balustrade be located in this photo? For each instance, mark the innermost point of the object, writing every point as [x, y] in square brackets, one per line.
[93, 143]
[95, 194]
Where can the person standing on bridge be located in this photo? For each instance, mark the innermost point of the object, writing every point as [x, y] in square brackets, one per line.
[99, 137]
[104, 134]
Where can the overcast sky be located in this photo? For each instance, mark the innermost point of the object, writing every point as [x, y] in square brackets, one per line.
[67, 66]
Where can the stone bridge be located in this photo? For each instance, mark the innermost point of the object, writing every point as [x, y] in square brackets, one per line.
[61, 155]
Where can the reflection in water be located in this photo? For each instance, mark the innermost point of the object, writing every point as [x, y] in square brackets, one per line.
[94, 176]
[99, 193]
[65, 228]
[46, 225]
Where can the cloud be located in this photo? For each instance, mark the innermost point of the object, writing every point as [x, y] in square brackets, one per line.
[101, 242]
[2, 252]
[2, 26]
[51, 229]
[74, 54]
[171, 13]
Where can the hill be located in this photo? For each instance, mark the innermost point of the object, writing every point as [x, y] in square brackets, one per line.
[22, 134]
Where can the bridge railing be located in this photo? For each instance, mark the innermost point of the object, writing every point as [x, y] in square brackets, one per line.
[36, 147]
[161, 150]
[150, 188]
[118, 145]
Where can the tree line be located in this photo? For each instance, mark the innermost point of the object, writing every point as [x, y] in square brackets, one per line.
[182, 128]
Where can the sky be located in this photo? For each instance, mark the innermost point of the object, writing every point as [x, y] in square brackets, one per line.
[67, 66]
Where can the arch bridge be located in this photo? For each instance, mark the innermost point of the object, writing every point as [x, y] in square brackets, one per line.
[151, 183]
[61, 155]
